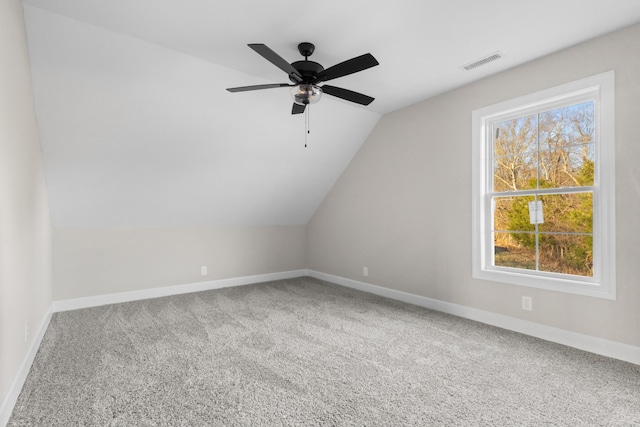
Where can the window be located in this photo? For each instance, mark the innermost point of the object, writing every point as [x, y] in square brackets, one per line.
[543, 189]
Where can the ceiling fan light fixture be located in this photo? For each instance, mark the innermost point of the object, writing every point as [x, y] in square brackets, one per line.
[304, 94]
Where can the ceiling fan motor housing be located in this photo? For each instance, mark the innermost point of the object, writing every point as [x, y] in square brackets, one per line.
[309, 71]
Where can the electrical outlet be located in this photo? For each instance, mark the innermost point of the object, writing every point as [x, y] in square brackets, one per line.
[527, 303]
[203, 270]
[26, 331]
[365, 271]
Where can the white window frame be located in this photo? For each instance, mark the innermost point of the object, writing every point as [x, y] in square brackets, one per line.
[601, 89]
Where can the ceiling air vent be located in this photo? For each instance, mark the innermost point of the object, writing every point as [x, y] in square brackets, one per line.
[485, 60]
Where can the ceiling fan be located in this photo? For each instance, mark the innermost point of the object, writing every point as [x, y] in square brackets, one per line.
[307, 75]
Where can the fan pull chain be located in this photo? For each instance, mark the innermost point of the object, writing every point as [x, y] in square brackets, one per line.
[306, 124]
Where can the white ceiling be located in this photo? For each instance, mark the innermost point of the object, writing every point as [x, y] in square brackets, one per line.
[138, 130]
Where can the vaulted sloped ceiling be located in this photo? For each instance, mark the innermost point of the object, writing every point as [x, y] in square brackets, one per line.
[135, 134]
[137, 128]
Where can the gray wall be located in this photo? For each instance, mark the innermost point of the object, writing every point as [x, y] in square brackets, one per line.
[97, 261]
[25, 226]
[403, 206]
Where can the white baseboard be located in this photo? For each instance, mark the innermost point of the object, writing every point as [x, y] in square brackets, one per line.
[86, 302]
[6, 407]
[613, 349]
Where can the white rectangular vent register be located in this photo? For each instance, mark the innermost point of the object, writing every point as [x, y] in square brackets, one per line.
[482, 61]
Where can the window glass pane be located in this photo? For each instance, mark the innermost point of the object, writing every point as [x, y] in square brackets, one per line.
[509, 252]
[514, 153]
[517, 172]
[567, 213]
[568, 254]
[512, 213]
[566, 126]
[501, 212]
[570, 166]
[515, 136]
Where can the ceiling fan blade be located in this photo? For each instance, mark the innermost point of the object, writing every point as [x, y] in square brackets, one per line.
[350, 66]
[349, 95]
[297, 108]
[257, 87]
[276, 60]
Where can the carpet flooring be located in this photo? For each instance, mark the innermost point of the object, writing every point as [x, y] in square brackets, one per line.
[303, 352]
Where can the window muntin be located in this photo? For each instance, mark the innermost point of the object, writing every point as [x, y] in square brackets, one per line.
[547, 148]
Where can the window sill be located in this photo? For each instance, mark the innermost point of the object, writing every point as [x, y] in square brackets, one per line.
[568, 284]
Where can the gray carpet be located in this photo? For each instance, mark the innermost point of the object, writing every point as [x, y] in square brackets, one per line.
[303, 352]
